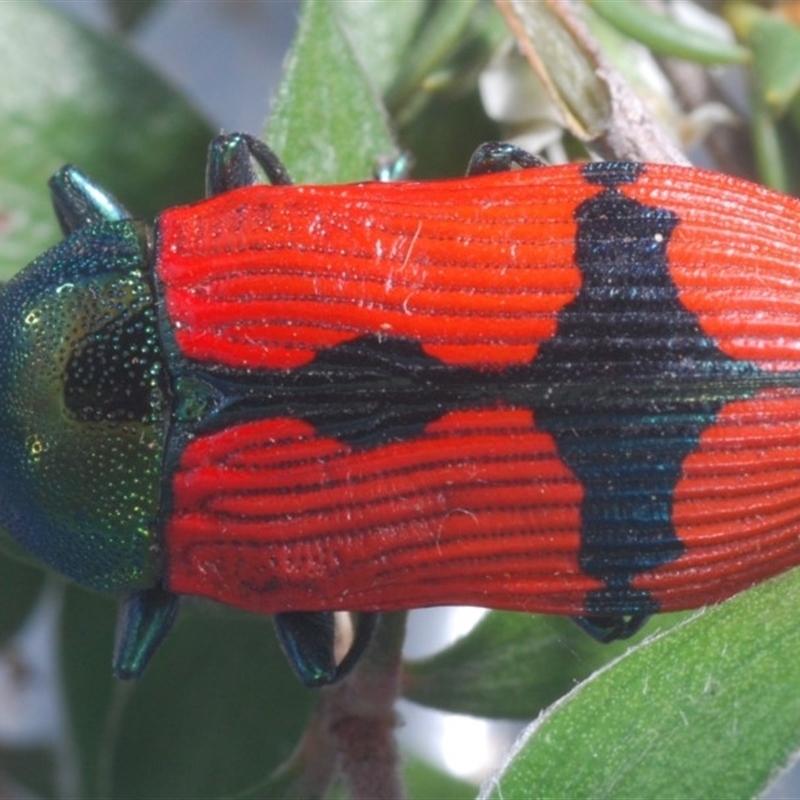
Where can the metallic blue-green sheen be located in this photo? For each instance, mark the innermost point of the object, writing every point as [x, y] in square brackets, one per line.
[83, 408]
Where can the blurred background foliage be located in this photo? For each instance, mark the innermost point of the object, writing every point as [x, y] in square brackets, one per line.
[709, 706]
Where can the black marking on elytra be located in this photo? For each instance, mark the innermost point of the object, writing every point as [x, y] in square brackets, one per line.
[367, 392]
[626, 387]
[625, 331]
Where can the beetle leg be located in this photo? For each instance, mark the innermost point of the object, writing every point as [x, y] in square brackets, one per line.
[609, 629]
[499, 157]
[78, 201]
[308, 639]
[365, 626]
[394, 168]
[144, 620]
[236, 160]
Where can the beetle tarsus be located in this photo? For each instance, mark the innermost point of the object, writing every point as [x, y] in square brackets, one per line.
[144, 620]
[500, 157]
[611, 628]
[237, 160]
[365, 626]
[394, 168]
[308, 640]
[78, 201]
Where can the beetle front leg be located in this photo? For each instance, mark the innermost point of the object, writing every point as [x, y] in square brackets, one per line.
[500, 157]
[236, 160]
[78, 201]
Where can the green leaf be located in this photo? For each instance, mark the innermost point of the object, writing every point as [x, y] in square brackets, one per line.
[511, 666]
[31, 768]
[775, 145]
[424, 57]
[10, 549]
[217, 711]
[382, 34]
[425, 781]
[665, 36]
[441, 32]
[710, 708]
[444, 137]
[20, 586]
[87, 639]
[327, 122]
[775, 43]
[71, 96]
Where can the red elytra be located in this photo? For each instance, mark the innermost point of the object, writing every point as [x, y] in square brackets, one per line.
[269, 276]
[271, 515]
[483, 503]
[733, 258]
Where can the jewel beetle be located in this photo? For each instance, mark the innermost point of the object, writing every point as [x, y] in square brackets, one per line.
[569, 389]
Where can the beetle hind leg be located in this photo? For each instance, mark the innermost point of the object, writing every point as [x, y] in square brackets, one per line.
[611, 628]
[308, 639]
[500, 157]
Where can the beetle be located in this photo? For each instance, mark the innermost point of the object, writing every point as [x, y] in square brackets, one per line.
[570, 389]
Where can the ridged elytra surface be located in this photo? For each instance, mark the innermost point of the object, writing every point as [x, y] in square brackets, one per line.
[568, 389]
